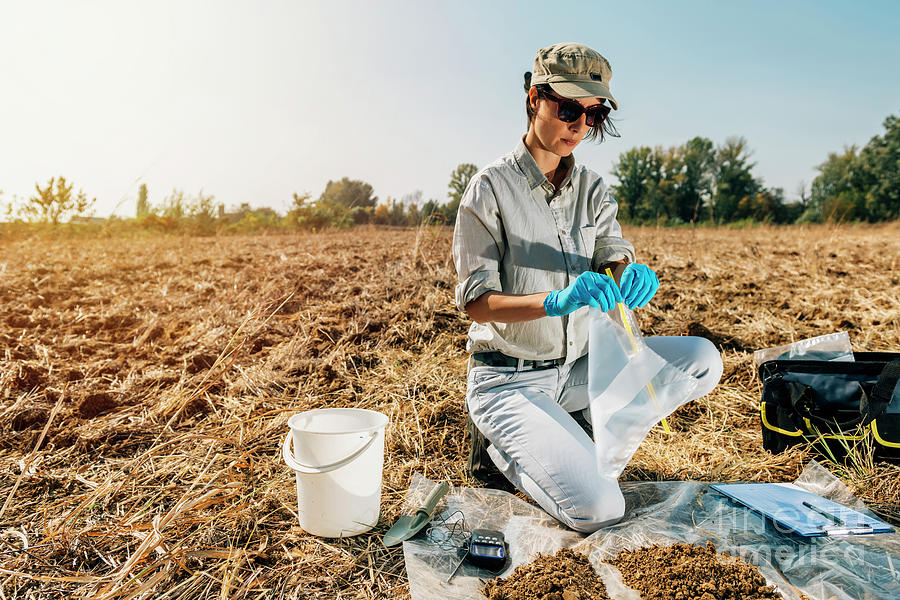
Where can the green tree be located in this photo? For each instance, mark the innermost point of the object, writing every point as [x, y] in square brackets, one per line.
[174, 206]
[143, 204]
[696, 169]
[321, 215]
[459, 180]
[348, 193]
[630, 172]
[56, 202]
[382, 215]
[302, 213]
[733, 178]
[765, 206]
[802, 196]
[836, 193]
[203, 211]
[246, 218]
[413, 215]
[640, 172]
[848, 205]
[431, 213]
[879, 163]
[396, 211]
[411, 203]
[298, 205]
[668, 178]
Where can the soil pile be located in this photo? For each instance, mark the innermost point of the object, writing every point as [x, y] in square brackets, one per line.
[686, 572]
[566, 575]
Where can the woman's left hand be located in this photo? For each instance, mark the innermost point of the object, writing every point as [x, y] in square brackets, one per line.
[638, 284]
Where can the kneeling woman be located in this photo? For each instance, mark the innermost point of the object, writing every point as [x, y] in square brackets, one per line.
[533, 234]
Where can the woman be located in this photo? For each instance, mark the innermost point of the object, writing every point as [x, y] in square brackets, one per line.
[533, 235]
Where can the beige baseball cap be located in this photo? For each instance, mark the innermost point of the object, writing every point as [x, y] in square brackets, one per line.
[573, 71]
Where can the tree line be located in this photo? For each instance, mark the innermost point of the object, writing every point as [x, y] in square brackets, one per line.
[860, 185]
[696, 182]
[700, 182]
[343, 203]
[351, 202]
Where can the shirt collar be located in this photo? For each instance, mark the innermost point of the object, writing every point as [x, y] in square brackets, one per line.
[569, 163]
[532, 172]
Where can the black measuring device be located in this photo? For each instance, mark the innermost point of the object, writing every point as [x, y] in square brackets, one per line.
[486, 549]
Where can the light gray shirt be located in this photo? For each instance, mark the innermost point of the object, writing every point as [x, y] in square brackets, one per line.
[516, 234]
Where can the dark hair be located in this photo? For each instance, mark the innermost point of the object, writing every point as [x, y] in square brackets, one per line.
[607, 128]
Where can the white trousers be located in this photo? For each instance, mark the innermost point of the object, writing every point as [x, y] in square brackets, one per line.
[537, 444]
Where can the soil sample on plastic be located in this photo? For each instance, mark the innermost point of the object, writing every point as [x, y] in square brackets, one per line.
[685, 572]
[566, 575]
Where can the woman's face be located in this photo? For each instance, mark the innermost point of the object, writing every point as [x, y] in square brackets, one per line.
[554, 135]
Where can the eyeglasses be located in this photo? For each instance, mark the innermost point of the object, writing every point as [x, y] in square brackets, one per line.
[569, 111]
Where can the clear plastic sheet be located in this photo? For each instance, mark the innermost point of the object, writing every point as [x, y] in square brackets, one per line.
[824, 568]
[832, 347]
[631, 388]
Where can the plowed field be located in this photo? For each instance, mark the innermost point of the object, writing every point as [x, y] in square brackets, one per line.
[145, 386]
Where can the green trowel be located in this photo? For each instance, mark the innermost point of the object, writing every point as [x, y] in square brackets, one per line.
[408, 526]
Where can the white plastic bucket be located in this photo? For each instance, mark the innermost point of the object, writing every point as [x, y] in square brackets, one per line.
[338, 457]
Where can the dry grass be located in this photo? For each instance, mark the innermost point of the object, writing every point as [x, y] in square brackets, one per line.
[145, 387]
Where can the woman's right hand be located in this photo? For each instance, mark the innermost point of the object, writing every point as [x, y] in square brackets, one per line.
[589, 289]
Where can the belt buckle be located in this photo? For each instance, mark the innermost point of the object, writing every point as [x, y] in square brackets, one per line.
[493, 359]
[545, 364]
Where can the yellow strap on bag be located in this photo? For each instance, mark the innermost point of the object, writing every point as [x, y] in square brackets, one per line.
[767, 425]
[881, 440]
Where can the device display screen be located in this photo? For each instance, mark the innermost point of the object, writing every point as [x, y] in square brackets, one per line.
[485, 550]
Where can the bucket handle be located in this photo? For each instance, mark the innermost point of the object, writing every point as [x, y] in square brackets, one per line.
[288, 456]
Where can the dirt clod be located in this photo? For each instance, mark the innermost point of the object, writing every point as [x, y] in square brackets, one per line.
[28, 418]
[95, 405]
[566, 575]
[199, 362]
[28, 377]
[686, 572]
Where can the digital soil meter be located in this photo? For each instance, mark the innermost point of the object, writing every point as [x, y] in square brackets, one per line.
[487, 549]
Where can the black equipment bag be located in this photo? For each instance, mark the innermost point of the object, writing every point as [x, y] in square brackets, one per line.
[835, 405]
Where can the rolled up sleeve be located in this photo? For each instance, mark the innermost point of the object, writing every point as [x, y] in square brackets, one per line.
[609, 245]
[478, 245]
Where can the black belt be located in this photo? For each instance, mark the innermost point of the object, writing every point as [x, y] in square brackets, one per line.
[498, 359]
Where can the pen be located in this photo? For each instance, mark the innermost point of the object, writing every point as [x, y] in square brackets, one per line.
[837, 520]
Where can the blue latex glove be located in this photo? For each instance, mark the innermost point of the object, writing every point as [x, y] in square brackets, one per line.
[590, 288]
[638, 284]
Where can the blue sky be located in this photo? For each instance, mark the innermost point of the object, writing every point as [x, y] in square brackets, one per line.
[253, 101]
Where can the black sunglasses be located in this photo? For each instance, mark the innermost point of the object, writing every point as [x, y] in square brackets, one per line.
[569, 111]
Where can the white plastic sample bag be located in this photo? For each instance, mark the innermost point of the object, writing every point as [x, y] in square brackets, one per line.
[630, 387]
[833, 347]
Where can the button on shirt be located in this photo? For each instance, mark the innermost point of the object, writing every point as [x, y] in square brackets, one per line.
[516, 234]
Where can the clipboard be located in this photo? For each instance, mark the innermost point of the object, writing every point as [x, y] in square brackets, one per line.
[798, 511]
